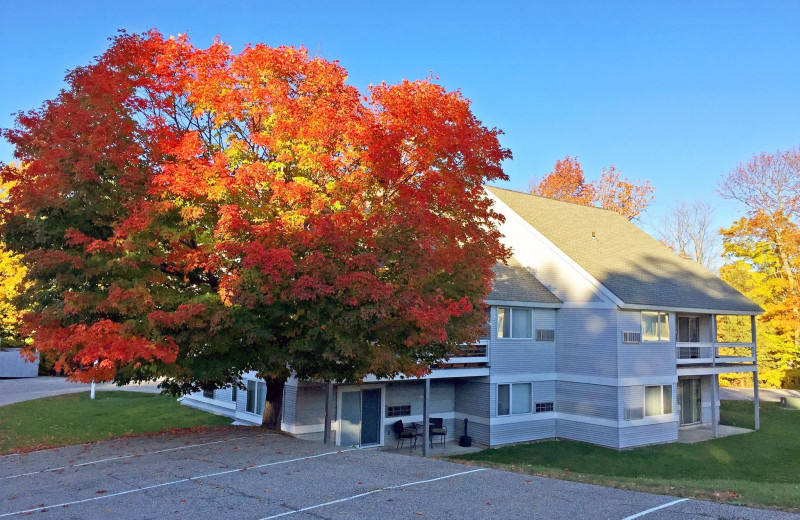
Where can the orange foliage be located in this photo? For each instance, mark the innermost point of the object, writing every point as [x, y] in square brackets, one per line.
[567, 182]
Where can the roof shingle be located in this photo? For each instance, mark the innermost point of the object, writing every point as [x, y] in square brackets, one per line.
[634, 266]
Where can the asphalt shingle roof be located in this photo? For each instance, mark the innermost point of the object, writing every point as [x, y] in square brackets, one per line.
[634, 266]
[513, 282]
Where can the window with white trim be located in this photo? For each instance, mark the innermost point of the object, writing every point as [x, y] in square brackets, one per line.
[657, 400]
[655, 326]
[208, 394]
[256, 397]
[513, 322]
[513, 398]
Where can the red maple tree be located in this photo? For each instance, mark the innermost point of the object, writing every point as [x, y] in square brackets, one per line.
[567, 182]
[194, 214]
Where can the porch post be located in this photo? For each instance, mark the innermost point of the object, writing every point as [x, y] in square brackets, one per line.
[714, 393]
[714, 339]
[326, 437]
[755, 373]
[426, 417]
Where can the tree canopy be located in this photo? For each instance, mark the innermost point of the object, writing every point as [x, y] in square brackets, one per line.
[567, 182]
[197, 213]
[763, 249]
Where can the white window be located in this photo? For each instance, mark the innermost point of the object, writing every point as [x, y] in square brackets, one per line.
[657, 400]
[513, 398]
[655, 326]
[514, 323]
[256, 397]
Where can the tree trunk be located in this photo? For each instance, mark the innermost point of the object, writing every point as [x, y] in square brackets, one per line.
[274, 404]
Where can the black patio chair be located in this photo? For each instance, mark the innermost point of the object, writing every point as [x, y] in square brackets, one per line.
[403, 433]
[436, 428]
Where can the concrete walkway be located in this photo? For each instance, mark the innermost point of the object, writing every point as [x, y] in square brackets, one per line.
[702, 432]
[17, 390]
[729, 393]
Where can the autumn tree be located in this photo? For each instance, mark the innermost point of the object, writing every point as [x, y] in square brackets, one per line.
[764, 248]
[195, 214]
[12, 273]
[687, 229]
[567, 182]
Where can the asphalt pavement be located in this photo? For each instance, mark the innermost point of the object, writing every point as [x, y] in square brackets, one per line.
[249, 473]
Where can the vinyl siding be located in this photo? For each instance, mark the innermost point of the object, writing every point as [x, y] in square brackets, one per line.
[584, 432]
[524, 356]
[523, 431]
[472, 398]
[586, 342]
[598, 401]
[648, 434]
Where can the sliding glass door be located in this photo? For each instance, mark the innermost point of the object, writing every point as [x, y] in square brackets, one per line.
[689, 397]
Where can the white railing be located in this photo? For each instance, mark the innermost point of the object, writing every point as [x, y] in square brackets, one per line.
[693, 352]
[734, 352]
[699, 353]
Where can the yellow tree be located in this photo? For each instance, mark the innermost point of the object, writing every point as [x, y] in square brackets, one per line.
[764, 250]
[12, 274]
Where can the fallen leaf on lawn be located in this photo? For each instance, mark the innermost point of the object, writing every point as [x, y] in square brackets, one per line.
[100, 491]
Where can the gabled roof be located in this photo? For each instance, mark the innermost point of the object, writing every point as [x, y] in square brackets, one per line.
[514, 283]
[638, 269]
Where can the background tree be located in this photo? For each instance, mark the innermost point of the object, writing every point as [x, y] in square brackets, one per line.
[567, 182]
[195, 213]
[688, 230]
[12, 273]
[764, 252]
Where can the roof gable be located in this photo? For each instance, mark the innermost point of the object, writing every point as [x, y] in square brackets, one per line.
[638, 269]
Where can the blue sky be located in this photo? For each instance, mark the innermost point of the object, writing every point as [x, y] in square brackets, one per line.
[673, 92]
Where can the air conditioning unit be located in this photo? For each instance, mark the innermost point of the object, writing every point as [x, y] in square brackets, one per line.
[630, 336]
[545, 335]
[632, 414]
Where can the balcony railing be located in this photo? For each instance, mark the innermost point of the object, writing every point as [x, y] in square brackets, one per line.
[693, 352]
[700, 353]
[467, 356]
[734, 352]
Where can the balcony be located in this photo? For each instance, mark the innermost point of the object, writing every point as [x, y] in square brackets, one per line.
[467, 356]
[697, 353]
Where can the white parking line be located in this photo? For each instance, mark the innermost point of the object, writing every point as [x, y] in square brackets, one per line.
[367, 493]
[131, 456]
[174, 482]
[652, 509]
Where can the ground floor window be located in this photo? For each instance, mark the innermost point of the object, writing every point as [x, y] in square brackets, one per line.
[208, 394]
[234, 392]
[256, 397]
[657, 400]
[513, 398]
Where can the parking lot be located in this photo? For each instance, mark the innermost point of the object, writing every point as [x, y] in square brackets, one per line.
[245, 473]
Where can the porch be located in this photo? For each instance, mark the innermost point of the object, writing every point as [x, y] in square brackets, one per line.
[704, 432]
[450, 449]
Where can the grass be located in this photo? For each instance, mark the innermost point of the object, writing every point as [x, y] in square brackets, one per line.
[759, 469]
[73, 419]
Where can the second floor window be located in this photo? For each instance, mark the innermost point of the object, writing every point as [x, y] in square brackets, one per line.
[655, 326]
[514, 323]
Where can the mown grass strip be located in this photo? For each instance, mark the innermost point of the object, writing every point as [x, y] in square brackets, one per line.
[760, 469]
[73, 419]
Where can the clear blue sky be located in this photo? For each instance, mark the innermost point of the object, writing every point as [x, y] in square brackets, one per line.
[673, 92]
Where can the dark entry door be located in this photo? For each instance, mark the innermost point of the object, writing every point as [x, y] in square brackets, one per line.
[370, 417]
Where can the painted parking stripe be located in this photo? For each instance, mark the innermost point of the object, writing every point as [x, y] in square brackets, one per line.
[174, 482]
[131, 456]
[652, 509]
[367, 493]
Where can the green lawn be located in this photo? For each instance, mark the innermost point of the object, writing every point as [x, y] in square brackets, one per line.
[74, 418]
[755, 469]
